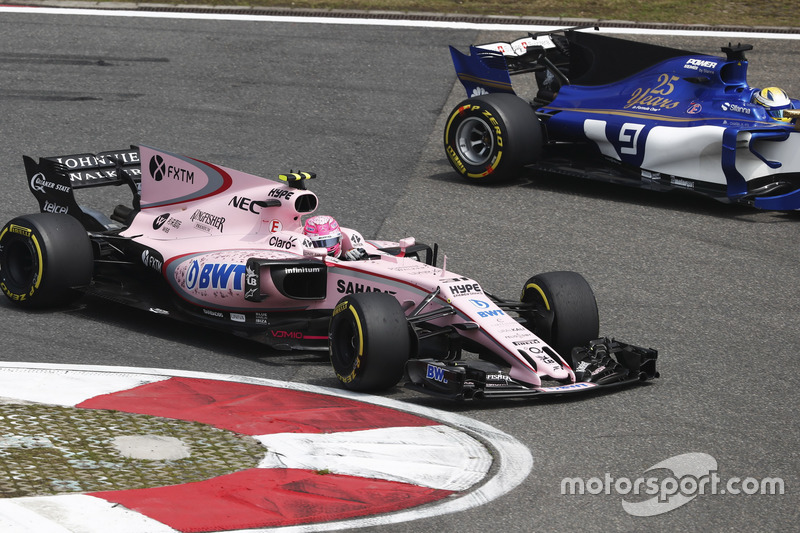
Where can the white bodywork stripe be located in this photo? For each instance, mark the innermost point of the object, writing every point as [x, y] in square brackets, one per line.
[694, 152]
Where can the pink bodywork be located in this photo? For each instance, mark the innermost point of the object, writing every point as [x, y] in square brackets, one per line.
[206, 221]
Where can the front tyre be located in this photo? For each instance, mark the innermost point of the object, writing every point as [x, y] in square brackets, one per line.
[489, 138]
[44, 257]
[369, 341]
[564, 311]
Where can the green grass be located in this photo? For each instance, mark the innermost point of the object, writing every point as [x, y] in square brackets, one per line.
[711, 12]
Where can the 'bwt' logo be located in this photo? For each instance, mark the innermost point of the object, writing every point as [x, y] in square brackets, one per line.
[435, 373]
[157, 167]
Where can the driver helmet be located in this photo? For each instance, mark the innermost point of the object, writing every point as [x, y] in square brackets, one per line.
[324, 232]
[774, 99]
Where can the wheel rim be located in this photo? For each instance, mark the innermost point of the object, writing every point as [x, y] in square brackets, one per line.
[343, 341]
[543, 317]
[19, 264]
[475, 141]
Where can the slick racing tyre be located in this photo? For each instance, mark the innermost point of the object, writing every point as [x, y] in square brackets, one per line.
[44, 257]
[369, 341]
[489, 138]
[565, 310]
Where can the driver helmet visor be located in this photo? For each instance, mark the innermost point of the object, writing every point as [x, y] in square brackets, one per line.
[777, 112]
[326, 242]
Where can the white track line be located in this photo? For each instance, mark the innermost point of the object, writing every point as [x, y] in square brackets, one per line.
[736, 34]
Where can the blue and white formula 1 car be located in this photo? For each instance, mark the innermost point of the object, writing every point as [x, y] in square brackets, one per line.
[620, 111]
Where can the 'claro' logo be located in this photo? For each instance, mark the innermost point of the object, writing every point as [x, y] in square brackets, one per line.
[279, 242]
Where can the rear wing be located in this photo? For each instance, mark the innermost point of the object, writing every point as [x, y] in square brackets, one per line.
[114, 167]
[488, 67]
[52, 180]
[520, 47]
[562, 57]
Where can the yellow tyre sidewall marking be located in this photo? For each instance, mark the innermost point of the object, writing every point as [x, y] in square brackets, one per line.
[453, 155]
[40, 263]
[360, 336]
[540, 291]
[360, 352]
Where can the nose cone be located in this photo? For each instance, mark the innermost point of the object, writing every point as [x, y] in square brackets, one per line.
[559, 373]
[553, 371]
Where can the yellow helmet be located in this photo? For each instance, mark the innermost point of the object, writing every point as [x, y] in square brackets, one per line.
[774, 99]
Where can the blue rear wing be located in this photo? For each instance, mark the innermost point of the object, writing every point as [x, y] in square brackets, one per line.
[482, 71]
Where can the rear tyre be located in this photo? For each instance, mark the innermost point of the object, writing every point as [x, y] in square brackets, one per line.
[369, 341]
[565, 310]
[489, 138]
[44, 258]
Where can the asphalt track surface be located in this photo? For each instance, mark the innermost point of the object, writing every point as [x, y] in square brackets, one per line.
[712, 287]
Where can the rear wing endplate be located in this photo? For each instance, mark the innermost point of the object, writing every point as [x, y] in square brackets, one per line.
[52, 180]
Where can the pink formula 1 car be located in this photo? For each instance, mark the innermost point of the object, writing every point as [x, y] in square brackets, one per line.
[225, 249]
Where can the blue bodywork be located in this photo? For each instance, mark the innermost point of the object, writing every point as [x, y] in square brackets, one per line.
[601, 98]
